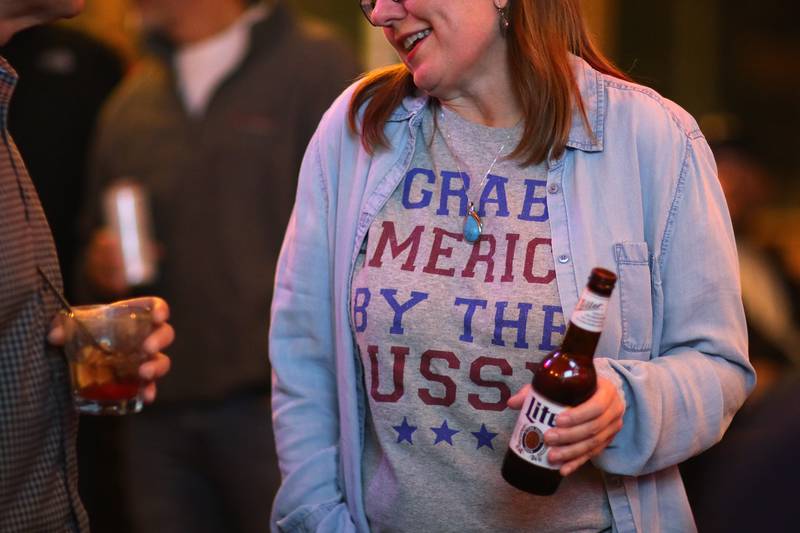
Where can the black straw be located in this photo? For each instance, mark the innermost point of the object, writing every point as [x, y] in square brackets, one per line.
[67, 307]
[54, 289]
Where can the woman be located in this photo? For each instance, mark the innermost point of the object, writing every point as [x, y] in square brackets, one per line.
[449, 211]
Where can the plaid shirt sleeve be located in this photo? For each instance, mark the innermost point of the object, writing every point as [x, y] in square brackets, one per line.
[38, 468]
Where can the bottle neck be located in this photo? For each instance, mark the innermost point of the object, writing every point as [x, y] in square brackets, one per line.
[579, 342]
[586, 324]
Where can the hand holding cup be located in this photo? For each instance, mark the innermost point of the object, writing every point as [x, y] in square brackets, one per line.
[118, 376]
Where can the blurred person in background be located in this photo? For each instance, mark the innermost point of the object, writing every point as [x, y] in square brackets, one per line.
[448, 212]
[38, 467]
[65, 76]
[767, 284]
[715, 479]
[213, 123]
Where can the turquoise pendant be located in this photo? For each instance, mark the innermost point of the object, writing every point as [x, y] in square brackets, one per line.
[473, 226]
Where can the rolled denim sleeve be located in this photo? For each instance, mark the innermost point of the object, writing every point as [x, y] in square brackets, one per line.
[682, 400]
[304, 400]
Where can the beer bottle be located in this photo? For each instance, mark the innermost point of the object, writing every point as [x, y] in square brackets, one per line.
[565, 378]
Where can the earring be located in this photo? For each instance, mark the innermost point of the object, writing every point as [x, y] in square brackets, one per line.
[504, 21]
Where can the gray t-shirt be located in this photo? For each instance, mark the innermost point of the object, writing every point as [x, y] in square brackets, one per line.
[448, 330]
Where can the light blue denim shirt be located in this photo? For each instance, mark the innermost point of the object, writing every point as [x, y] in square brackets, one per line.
[638, 195]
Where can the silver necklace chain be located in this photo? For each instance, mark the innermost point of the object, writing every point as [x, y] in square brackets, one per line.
[447, 139]
[477, 222]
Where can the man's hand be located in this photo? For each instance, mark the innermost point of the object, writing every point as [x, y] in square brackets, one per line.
[162, 336]
[104, 267]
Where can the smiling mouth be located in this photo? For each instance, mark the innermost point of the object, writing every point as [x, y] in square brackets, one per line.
[410, 42]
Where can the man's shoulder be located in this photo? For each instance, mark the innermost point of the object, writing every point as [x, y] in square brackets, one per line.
[316, 33]
[146, 81]
[313, 59]
[301, 38]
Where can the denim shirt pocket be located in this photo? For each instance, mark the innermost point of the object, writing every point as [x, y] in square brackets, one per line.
[635, 295]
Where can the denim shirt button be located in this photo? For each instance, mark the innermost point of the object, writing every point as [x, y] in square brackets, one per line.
[553, 188]
[563, 259]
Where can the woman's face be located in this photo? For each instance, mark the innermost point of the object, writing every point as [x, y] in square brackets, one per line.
[450, 46]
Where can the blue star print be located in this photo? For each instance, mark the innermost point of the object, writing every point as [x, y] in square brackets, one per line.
[444, 434]
[484, 437]
[404, 432]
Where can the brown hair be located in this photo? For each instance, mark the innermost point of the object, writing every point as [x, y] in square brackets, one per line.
[541, 36]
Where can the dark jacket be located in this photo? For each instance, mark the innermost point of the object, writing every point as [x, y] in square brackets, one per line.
[222, 188]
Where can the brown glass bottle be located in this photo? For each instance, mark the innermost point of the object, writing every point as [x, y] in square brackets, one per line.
[565, 378]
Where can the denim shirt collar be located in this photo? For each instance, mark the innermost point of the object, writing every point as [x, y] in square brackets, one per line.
[590, 86]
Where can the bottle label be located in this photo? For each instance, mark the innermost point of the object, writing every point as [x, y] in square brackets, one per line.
[590, 312]
[537, 416]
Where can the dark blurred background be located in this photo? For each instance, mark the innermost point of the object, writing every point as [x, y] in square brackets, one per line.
[735, 66]
[733, 61]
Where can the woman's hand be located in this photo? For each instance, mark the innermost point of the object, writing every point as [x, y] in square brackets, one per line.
[583, 431]
[158, 363]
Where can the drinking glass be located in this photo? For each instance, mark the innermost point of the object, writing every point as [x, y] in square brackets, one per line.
[104, 349]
